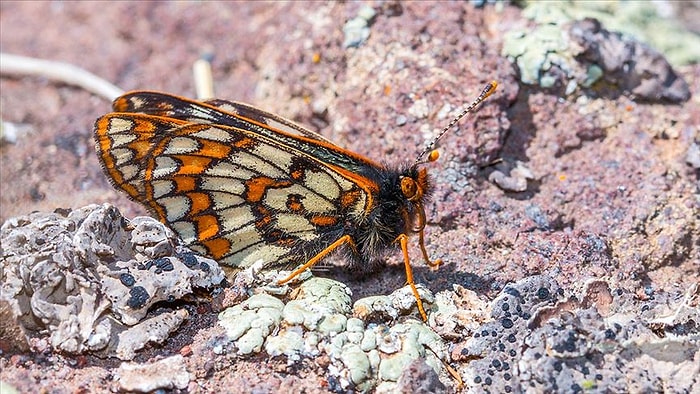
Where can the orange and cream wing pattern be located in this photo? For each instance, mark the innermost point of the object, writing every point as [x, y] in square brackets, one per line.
[229, 191]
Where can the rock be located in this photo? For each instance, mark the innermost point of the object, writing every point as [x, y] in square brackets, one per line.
[88, 277]
[169, 373]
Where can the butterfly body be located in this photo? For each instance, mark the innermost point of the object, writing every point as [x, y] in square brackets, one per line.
[239, 184]
[391, 215]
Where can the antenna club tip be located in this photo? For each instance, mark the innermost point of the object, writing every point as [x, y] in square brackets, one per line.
[490, 88]
[434, 155]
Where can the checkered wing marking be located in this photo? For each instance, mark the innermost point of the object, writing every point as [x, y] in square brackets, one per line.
[124, 145]
[233, 194]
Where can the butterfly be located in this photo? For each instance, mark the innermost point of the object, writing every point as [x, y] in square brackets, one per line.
[240, 184]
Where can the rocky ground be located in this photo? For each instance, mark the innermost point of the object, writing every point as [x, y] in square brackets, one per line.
[566, 210]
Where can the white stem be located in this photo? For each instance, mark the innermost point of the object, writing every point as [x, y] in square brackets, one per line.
[58, 71]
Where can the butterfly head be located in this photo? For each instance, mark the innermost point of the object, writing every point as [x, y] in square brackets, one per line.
[414, 182]
[415, 187]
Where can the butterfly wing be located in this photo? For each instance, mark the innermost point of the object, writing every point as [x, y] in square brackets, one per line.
[231, 187]
[210, 111]
[270, 120]
[232, 114]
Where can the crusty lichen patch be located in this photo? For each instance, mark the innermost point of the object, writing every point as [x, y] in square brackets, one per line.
[535, 335]
[88, 278]
[542, 339]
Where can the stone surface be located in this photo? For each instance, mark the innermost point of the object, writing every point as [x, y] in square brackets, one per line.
[611, 183]
[168, 373]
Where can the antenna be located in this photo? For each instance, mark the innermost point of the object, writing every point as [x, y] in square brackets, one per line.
[485, 93]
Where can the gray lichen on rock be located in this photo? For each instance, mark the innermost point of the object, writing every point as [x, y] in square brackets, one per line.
[88, 278]
[168, 373]
[567, 49]
[543, 340]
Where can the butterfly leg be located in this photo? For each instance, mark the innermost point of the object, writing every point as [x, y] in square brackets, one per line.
[342, 240]
[434, 263]
[403, 241]
[421, 239]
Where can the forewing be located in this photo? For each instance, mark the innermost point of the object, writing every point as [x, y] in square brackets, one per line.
[273, 121]
[211, 111]
[244, 117]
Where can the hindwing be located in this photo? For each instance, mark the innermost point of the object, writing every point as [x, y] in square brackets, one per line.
[236, 188]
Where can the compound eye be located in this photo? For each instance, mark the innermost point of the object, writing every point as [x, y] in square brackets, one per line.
[409, 188]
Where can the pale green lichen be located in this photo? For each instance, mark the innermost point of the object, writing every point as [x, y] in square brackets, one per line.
[638, 19]
[536, 51]
[356, 30]
[374, 304]
[6, 388]
[547, 55]
[249, 323]
[390, 368]
[594, 73]
[317, 321]
[368, 342]
[355, 325]
[320, 304]
[357, 363]
[399, 303]
[289, 343]
[414, 338]
[333, 324]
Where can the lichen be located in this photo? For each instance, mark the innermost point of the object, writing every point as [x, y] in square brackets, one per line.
[567, 52]
[541, 339]
[316, 319]
[88, 278]
[168, 373]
